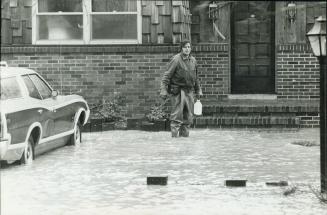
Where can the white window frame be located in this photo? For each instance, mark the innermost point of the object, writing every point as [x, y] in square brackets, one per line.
[87, 12]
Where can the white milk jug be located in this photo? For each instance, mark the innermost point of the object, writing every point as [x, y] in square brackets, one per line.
[198, 108]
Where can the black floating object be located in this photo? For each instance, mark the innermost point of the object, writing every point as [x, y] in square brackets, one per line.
[279, 183]
[235, 183]
[157, 180]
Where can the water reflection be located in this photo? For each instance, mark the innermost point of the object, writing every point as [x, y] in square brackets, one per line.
[106, 174]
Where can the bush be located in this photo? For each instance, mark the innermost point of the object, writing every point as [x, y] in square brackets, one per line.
[110, 111]
[156, 112]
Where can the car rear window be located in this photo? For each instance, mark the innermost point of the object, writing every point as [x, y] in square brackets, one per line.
[10, 88]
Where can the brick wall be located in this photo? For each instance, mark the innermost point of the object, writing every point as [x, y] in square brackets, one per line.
[133, 71]
[309, 120]
[214, 74]
[297, 72]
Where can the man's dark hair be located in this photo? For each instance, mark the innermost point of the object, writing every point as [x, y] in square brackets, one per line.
[183, 43]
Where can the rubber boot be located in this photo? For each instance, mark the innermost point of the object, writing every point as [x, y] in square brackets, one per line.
[184, 131]
[174, 132]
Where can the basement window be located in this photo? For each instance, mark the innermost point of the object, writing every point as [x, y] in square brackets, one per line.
[86, 22]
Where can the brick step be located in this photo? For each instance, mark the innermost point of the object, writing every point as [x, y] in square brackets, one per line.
[251, 114]
[247, 121]
[210, 110]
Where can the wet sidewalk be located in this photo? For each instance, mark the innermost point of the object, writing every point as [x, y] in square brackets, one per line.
[107, 173]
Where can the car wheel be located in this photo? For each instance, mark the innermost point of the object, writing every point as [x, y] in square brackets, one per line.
[76, 138]
[28, 154]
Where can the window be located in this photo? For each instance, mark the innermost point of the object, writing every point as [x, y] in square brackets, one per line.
[41, 86]
[87, 22]
[32, 91]
[36, 87]
[119, 17]
[10, 89]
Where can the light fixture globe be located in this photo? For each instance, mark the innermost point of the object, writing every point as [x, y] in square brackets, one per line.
[317, 37]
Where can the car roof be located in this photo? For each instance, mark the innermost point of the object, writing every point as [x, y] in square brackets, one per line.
[14, 71]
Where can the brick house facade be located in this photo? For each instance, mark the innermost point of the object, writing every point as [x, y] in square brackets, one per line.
[99, 71]
[134, 71]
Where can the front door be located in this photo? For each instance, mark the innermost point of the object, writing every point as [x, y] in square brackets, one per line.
[253, 47]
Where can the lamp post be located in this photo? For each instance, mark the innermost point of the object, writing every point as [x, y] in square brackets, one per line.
[317, 39]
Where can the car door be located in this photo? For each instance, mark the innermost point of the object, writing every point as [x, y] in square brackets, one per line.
[44, 104]
[65, 114]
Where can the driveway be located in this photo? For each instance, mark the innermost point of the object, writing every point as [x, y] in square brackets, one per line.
[107, 173]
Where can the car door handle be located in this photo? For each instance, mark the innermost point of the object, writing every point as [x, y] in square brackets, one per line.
[40, 111]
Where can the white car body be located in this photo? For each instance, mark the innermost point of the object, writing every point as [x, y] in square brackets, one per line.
[34, 113]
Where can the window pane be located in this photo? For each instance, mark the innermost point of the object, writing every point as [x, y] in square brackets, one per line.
[60, 5]
[42, 87]
[9, 89]
[32, 91]
[114, 5]
[65, 27]
[122, 26]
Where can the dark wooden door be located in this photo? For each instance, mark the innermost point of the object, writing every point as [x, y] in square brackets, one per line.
[253, 47]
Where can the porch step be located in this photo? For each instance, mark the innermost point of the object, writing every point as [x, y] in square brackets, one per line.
[257, 113]
[252, 120]
[258, 108]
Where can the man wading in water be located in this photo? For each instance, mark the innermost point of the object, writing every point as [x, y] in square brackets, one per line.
[181, 82]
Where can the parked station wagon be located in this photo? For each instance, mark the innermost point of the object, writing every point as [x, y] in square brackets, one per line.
[34, 118]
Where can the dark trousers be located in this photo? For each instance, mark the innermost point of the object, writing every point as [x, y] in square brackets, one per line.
[181, 116]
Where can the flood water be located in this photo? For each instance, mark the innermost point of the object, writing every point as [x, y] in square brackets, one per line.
[107, 173]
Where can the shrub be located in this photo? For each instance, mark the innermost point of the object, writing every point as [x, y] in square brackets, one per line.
[110, 111]
[156, 112]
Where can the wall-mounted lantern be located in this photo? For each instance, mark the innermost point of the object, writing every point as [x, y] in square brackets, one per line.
[317, 39]
[291, 11]
[213, 11]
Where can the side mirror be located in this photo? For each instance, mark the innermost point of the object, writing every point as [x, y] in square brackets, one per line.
[54, 93]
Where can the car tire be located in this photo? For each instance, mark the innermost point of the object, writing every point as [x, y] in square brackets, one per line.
[76, 138]
[28, 154]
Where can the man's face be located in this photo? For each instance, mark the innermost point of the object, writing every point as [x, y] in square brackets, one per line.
[186, 49]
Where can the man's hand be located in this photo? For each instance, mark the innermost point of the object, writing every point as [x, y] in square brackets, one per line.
[164, 98]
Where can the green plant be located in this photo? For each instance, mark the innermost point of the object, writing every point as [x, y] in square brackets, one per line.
[156, 112]
[110, 111]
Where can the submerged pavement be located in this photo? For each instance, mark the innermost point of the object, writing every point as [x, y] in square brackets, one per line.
[107, 173]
